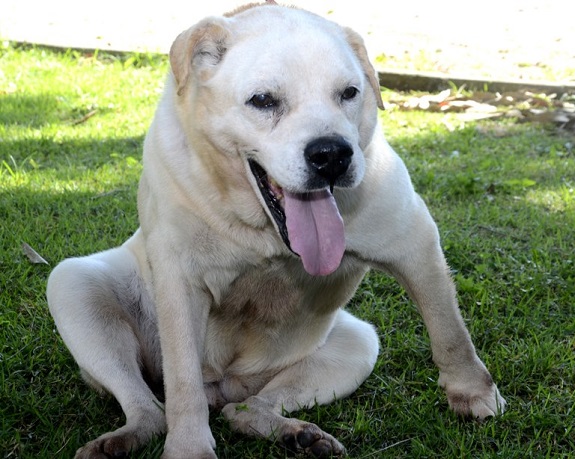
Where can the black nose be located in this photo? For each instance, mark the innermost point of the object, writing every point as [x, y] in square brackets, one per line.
[329, 157]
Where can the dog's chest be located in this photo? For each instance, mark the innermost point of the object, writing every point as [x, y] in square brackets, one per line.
[274, 314]
[276, 292]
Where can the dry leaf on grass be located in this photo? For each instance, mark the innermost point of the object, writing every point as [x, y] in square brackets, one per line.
[521, 105]
[32, 255]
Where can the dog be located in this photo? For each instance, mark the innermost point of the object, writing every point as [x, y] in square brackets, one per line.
[267, 193]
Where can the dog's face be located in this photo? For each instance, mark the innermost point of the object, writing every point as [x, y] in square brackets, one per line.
[293, 97]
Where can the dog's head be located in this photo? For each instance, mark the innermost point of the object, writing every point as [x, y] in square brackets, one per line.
[294, 98]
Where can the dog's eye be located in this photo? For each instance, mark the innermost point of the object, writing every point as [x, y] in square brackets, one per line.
[263, 101]
[349, 93]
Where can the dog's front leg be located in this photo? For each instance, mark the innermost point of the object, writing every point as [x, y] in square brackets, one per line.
[422, 270]
[183, 310]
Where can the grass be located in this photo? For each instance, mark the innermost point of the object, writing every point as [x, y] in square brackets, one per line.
[71, 131]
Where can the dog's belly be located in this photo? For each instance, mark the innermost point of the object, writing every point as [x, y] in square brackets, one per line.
[270, 318]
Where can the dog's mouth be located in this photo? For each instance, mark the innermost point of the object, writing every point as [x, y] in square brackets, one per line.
[273, 195]
[309, 223]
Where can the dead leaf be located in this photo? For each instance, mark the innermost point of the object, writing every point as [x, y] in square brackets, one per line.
[476, 116]
[32, 255]
[524, 106]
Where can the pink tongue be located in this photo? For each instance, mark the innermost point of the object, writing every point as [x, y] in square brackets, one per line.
[315, 230]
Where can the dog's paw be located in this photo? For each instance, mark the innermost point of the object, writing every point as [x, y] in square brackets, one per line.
[477, 398]
[309, 439]
[203, 455]
[108, 446]
[199, 446]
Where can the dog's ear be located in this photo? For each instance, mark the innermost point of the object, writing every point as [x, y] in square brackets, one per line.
[201, 45]
[358, 46]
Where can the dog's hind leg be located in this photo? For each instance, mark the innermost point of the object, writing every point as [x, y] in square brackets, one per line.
[333, 371]
[96, 304]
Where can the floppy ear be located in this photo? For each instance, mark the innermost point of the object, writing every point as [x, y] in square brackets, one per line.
[203, 44]
[358, 46]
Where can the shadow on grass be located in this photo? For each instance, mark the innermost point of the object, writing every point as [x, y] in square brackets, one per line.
[33, 111]
[64, 199]
[78, 189]
[38, 111]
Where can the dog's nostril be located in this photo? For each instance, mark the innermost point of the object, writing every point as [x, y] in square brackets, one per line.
[329, 157]
[319, 159]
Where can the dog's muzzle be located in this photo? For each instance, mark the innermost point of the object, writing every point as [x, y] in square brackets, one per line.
[309, 221]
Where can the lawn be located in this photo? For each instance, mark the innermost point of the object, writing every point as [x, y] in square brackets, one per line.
[502, 192]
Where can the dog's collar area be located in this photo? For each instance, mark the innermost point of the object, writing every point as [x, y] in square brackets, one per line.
[272, 199]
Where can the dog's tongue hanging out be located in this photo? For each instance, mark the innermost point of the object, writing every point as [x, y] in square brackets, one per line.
[315, 230]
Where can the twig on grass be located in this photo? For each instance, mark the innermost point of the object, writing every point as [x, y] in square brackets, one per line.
[502, 233]
[85, 118]
[393, 445]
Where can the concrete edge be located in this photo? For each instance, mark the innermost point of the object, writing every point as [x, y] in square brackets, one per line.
[433, 82]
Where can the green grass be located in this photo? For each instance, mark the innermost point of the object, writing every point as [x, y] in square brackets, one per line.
[71, 131]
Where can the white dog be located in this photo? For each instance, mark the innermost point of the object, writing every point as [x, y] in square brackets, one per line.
[267, 193]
